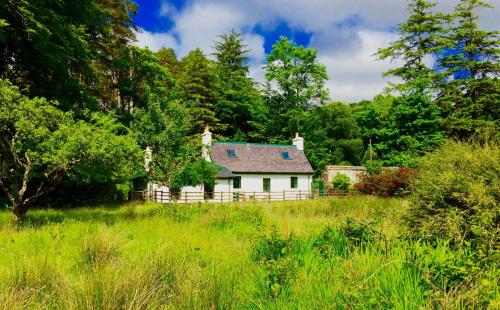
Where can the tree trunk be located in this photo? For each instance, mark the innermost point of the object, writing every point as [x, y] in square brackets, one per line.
[19, 211]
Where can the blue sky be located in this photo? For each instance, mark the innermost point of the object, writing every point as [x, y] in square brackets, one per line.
[346, 32]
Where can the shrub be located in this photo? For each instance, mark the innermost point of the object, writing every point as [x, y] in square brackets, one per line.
[274, 255]
[373, 167]
[456, 196]
[341, 182]
[386, 183]
[342, 241]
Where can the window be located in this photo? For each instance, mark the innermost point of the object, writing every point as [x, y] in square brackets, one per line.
[285, 155]
[231, 153]
[294, 182]
[266, 185]
[237, 182]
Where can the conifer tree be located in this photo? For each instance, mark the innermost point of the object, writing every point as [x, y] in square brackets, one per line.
[419, 36]
[239, 105]
[470, 92]
[197, 80]
[168, 59]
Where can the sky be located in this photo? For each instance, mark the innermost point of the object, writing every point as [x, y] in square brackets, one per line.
[346, 33]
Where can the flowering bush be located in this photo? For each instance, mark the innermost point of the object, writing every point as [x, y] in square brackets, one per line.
[386, 183]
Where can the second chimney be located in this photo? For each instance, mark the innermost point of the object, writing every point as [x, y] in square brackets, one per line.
[298, 142]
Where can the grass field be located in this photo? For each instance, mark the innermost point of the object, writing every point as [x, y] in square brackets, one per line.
[340, 253]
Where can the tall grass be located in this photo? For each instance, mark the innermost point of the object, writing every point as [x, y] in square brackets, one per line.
[344, 252]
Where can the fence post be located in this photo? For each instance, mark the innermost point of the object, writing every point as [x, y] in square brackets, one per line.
[300, 194]
[185, 197]
[284, 195]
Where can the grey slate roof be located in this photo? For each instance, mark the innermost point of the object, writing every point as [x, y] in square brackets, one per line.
[223, 173]
[260, 158]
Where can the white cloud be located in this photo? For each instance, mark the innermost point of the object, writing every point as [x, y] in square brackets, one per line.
[155, 41]
[355, 74]
[166, 9]
[346, 44]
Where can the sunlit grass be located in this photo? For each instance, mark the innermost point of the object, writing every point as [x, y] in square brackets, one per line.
[199, 256]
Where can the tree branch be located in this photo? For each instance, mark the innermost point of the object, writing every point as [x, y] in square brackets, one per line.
[9, 195]
[26, 178]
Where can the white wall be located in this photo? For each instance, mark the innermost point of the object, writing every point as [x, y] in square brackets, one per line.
[279, 182]
[223, 185]
[252, 187]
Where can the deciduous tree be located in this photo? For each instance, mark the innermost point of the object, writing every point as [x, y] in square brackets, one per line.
[40, 146]
[295, 83]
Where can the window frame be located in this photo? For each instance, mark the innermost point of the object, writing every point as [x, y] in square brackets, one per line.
[239, 182]
[294, 181]
[266, 189]
[288, 154]
[229, 155]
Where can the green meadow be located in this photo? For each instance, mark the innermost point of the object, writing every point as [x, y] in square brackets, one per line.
[333, 253]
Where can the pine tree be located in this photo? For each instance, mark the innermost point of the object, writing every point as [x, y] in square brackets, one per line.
[470, 93]
[239, 105]
[419, 36]
[198, 82]
[168, 59]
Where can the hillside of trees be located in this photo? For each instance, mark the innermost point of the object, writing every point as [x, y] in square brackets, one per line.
[79, 101]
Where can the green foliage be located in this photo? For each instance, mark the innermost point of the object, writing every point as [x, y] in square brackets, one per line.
[295, 83]
[470, 99]
[198, 82]
[341, 182]
[41, 145]
[411, 130]
[165, 126]
[373, 167]
[419, 36]
[239, 105]
[51, 47]
[332, 136]
[456, 196]
[274, 253]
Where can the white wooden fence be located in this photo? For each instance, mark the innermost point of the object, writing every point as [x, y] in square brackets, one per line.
[187, 197]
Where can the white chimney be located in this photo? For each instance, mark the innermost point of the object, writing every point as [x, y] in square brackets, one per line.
[148, 158]
[206, 141]
[298, 142]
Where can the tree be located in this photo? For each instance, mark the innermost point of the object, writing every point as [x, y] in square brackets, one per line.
[137, 69]
[470, 91]
[413, 128]
[165, 125]
[53, 48]
[295, 83]
[239, 106]
[168, 59]
[41, 145]
[332, 136]
[197, 80]
[419, 36]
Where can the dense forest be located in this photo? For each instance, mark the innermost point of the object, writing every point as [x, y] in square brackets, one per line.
[79, 101]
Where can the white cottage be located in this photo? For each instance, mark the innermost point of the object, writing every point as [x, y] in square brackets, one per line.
[260, 171]
[250, 171]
